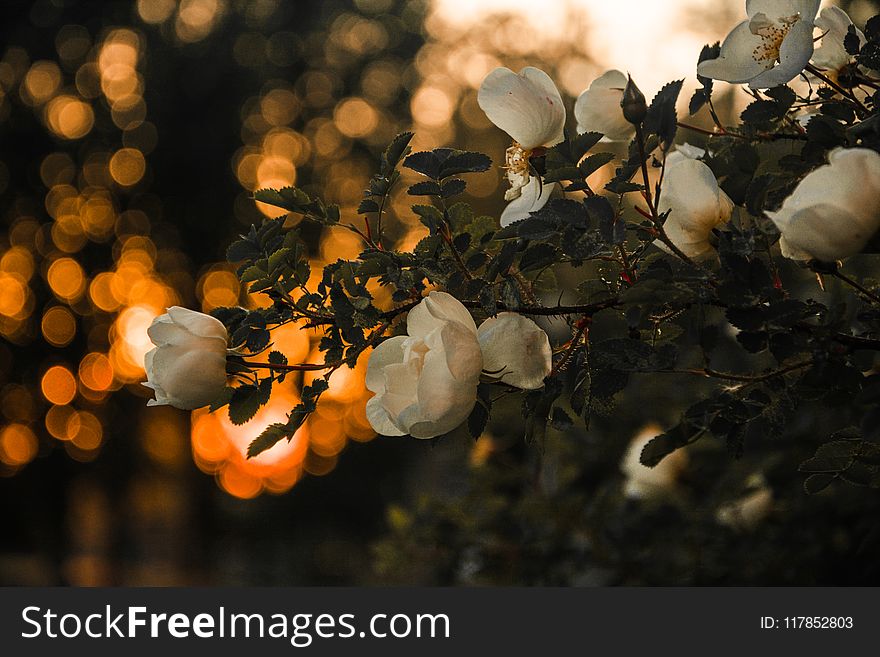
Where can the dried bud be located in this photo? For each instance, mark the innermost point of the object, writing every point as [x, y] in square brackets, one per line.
[635, 107]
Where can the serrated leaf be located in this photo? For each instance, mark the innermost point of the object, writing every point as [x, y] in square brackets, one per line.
[244, 404]
[242, 250]
[453, 187]
[425, 163]
[459, 162]
[425, 188]
[661, 119]
[397, 149]
[268, 439]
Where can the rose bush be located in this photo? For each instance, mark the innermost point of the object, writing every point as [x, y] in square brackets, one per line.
[670, 280]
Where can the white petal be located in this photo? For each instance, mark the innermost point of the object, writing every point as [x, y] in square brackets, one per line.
[794, 54]
[434, 310]
[460, 348]
[380, 420]
[198, 323]
[776, 9]
[598, 108]
[444, 401]
[527, 106]
[532, 198]
[831, 54]
[824, 232]
[834, 210]
[387, 353]
[191, 378]
[515, 349]
[737, 62]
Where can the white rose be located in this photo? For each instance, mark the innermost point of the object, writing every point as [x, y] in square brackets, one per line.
[698, 204]
[528, 107]
[644, 482]
[834, 210]
[598, 108]
[770, 48]
[187, 369]
[425, 383]
[515, 350]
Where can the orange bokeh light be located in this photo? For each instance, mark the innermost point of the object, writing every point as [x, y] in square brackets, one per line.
[18, 445]
[58, 385]
[220, 447]
[58, 326]
[66, 278]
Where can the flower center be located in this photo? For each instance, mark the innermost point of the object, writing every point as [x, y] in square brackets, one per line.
[772, 35]
[516, 162]
[516, 159]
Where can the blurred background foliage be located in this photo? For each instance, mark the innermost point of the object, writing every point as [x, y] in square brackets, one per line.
[132, 134]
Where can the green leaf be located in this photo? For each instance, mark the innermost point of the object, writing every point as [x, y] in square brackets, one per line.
[459, 162]
[594, 162]
[479, 417]
[267, 440]
[222, 399]
[430, 216]
[243, 249]
[703, 95]
[425, 163]
[397, 150]
[244, 404]
[662, 119]
[453, 187]
[425, 188]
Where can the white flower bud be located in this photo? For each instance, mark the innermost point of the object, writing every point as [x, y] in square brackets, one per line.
[598, 109]
[187, 369]
[697, 204]
[834, 210]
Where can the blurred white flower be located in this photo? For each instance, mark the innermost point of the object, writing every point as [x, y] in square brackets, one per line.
[831, 55]
[515, 350]
[598, 108]
[425, 383]
[834, 210]
[187, 368]
[771, 48]
[749, 511]
[643, 482]
[528, 107]
[697, 203]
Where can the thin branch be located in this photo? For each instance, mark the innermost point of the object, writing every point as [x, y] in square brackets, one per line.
[844, 92]
[856, 286]
[741, 378]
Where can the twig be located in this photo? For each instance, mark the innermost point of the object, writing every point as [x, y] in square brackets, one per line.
[856, 286]
[741, 378]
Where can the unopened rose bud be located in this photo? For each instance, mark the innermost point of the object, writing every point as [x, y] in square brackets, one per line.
[635, 107]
